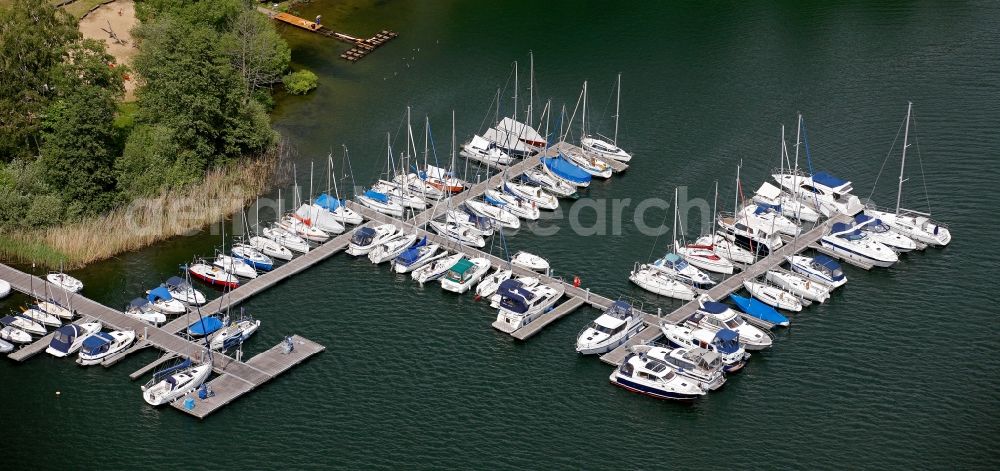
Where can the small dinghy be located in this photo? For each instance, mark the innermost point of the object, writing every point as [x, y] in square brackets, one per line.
[464, 274]
[69, 338]
[65, 282]
[214, 276]
[531, 193]
[13, 334]
[436, 269]
[301, 228]
[161, 300]
[366, 239]
[174, 382]
[271, 248]
[235, 266]
[821, 269]
[653, 377]
[23, 324]
[392, 247]
[233, 334]
[253, 257]
[101, 345]
[773, 296]
[336, 207]
[715, 316]
[661, 283]
[521, 208]
[491, 282]
[205, 326]
[462, 234]
[554, 186]
[612, 328]
[55, 309]
[141, 309]
[182, 291]
[725, 342]
[286, 239]
[697, 364]
[524, 300]
[759, 310]
[417, 256]
[531, 262]
[798, 285]
[495, 213]
[42, 317]
[704, 257]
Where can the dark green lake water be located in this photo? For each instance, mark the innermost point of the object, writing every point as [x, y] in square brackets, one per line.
[895, 372]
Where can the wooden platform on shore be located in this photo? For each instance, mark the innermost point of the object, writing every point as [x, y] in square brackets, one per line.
[361, 46]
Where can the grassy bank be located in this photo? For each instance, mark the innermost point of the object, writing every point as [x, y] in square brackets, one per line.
[145, 221]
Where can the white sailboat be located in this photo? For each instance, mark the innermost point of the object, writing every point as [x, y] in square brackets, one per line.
[773, 296]
[491, 282]
[551, 185]
[661, 283]
[417, 256]
[174, 383]
[286, 239]
[391, 248]
[504, 218]
[462, 234]
[798, 285]
[234, 266]
[435, 269]
[532, 193]
[514, 205]
[602, 146]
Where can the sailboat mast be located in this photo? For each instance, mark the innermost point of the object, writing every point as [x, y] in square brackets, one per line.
[715, 211]
[781, 152]
[798, 140]
[618, 103]
[674, 233]
[583, 120]
[902, 165]
[736, 194]
[548, 113]
[311, 164]
[427, 140]
[515, 91]
[531, 88]
[336, 192]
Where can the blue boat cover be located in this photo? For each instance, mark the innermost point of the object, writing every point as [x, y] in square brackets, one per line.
[97, 342]
[363, 236]
[824, 178]
[566, 169]
[758, 309]
[169, 371]
[493, 201]
[328, 202]
[420, 243]
[64, 337]
[159, 293]
[174, 281]
[409, 256]
[138, 302]
[205, 326]
[380, 197]
[514, 296]
[713, 307]
[839, 227]
[861, 217]
[764, 207]
[620, 306]
[831, 265]
[727, 341]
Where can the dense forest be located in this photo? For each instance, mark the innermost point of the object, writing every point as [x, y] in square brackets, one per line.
[69, 149]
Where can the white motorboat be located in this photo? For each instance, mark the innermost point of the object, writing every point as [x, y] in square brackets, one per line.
[464, 274]
[704, 257]
[751, 234]
[726, 248]
[661, 283]
[521, 208]
[522, 301]
[488, 287]
[400, 194]
[503, 218]
[101, 345]
[173, 383]
[381, 202]
[13, 334]
[696, 364]
[286, 239]
[317, 216]
[823, 191]
[531, 193]
[551, 185]
[233, 334]
[462, 234]
[67, 339]
[293, 225]
[418, 255]
[366, 239]
[65, 282]
[482, 150]
[879, 231]
[773, 296]
[762, 215]
[336, 207]
[590, 164]
[271, 248]
[140, 308]
[213, 275]
[725, 342]
[55, 309]
[653, 377]
[42, 317]
[6, 347]
[4, 289]
[772, 196]
[680, 270]
[715, 316]
[435, 269]
[252, 257]
[161, 300]
[612, 328]
[477, 225]
[531, 262]
[608, 148]
[798, 285]
[821, 269]
[419, 187]
[391, 248]
[23, 323]
[849, 242]
[235, 266]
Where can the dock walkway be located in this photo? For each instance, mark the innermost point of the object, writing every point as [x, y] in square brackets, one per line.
[361, 46]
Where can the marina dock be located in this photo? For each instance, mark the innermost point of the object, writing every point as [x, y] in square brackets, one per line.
[361, 46]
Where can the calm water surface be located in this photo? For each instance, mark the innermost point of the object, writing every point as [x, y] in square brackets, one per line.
[896, 371]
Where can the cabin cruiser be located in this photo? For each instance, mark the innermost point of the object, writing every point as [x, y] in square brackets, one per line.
[772, 196]
[704, 257]
[69, 338]
[798, 285]
[182, 291]
[521, 208]
[715, 316]
[233, 334]
[821, 269]
[381, 202]
[366, 239]
[605, 149]
[173, 383]
[271, 248]
[301, 228]
[416, 256]
[462, 234]
[696, 364]
[485, 151]
[341, 213]
[286, 239]
[55, 309]
[879, 231]
[770, 217]
[530, 261]
[661, 283]
[161, 300]
[915, 225]
[681, 270]
[140, 308]
[488, 287]
[24, 324]
[612, 328]
[654, 377]
[234, 266]
[251, 256]
[435, 269]
[727, 249]
[101, 345]
[827, 193]
[849, 242]
[318, 217]
[531, 193]
[464, 274]
[773, 296]
[724, 342]
[214, 276]
[11, 333]
[497, 214]
[553, 186]
[523, 300]
[65, 282]
[750, 234]
[392, 247]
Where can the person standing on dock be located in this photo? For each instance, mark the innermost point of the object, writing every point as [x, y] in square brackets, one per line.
[319, 20]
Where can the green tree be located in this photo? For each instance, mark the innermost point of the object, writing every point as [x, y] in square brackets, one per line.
[300, 83]
[256, 50]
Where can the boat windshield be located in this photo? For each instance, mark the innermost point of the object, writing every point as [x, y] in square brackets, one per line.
[733, 323]
[63, 337]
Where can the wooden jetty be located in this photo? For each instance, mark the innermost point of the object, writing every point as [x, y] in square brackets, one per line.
[361, 46]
